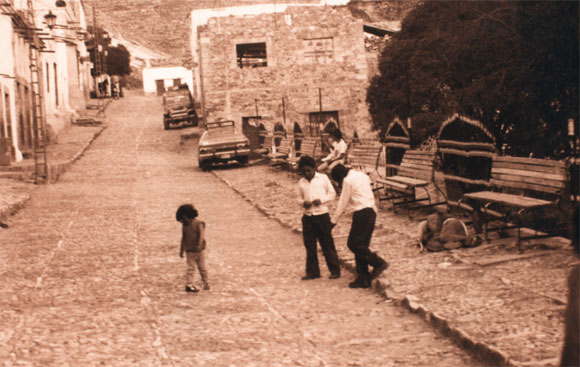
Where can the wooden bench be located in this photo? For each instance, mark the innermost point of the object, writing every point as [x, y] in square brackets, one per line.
[282, 152]
[368, 156]
[308, 145]
[520, 186]
[266, 143]
[415, 172]
[364, 155]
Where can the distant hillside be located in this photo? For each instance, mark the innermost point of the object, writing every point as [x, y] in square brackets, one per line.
[164, 25]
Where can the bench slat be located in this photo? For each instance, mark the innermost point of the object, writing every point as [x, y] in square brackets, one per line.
[508, 199]
[466, 154]
[392, 183]
[530, 167]
[549, 180]
[450, 177]
[526, 186]
[536, 161]
[407, 180]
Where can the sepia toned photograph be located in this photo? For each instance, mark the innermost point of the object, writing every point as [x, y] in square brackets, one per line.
[285, 183]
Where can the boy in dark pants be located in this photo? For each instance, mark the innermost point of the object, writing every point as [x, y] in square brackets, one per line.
[357, 193]
[314, 191]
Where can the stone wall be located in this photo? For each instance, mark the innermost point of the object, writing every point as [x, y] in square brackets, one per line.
[161, 25]
[340, 83]
[164, 25]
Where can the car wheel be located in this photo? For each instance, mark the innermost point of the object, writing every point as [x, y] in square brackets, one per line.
[165, 124]
[243, 160]
[204, 165]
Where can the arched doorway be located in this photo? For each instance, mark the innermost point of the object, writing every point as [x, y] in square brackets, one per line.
[262, 133]
[279, 133]
[298, 136]
[329, 126]
[465, 147]
[251, 130]
[397, 141]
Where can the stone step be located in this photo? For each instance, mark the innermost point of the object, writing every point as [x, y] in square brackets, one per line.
[17, 175]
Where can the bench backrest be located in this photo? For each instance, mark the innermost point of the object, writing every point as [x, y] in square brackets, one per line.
[308, 146]
[417, 164]
[285, 145]
[529, 174]
[364, 155]
[267, 142]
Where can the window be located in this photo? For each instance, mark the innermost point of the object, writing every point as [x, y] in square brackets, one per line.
[2, 122]
[55, 83]
[47, 78]
[251, 55]
[318, 50]
[8, 116]
[318, 120]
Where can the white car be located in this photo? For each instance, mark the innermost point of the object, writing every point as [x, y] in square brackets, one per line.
[220, 143]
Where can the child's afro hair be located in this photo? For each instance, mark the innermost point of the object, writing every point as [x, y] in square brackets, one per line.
[186, 210]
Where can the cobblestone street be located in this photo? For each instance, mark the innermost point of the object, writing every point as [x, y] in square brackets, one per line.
[91, 274]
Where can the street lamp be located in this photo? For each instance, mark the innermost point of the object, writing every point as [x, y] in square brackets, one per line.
[50, 19]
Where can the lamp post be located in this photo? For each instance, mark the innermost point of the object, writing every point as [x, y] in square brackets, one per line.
[50, 20]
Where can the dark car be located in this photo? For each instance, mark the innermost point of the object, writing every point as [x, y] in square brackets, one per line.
[178, 107]
[222, 142]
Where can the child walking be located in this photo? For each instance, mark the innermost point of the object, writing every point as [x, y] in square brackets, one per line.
[193, 244]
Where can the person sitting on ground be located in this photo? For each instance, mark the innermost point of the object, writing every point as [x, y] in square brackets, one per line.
[440, 232]
[337, 154]
[315, 191]
[193, 244]
[357, 193]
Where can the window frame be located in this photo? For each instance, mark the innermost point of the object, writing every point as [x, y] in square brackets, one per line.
[251, 62]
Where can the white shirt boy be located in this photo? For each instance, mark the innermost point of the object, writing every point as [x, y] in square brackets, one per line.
[356, 194]
[318, 188]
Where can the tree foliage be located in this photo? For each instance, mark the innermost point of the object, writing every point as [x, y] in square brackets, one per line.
[117, 58]
[513, 65]
[118, 61]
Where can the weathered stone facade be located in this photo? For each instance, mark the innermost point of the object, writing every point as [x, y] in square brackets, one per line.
[315, 62]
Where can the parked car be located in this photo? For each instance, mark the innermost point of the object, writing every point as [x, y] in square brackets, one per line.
[178, 107]
[222, 142]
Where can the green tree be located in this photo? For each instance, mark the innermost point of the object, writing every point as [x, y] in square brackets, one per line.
[117, 58]
[118, 61]
[513, 65]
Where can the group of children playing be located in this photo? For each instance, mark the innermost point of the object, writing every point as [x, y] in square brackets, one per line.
[315, 191]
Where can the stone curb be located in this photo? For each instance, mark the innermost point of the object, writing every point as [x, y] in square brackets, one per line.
[54, 172]
[13, 208]
[59, 168]
[480, 350]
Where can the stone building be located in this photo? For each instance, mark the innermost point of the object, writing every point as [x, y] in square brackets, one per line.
[297, 66]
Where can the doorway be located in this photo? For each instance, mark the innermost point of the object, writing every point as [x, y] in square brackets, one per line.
[160, 84]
